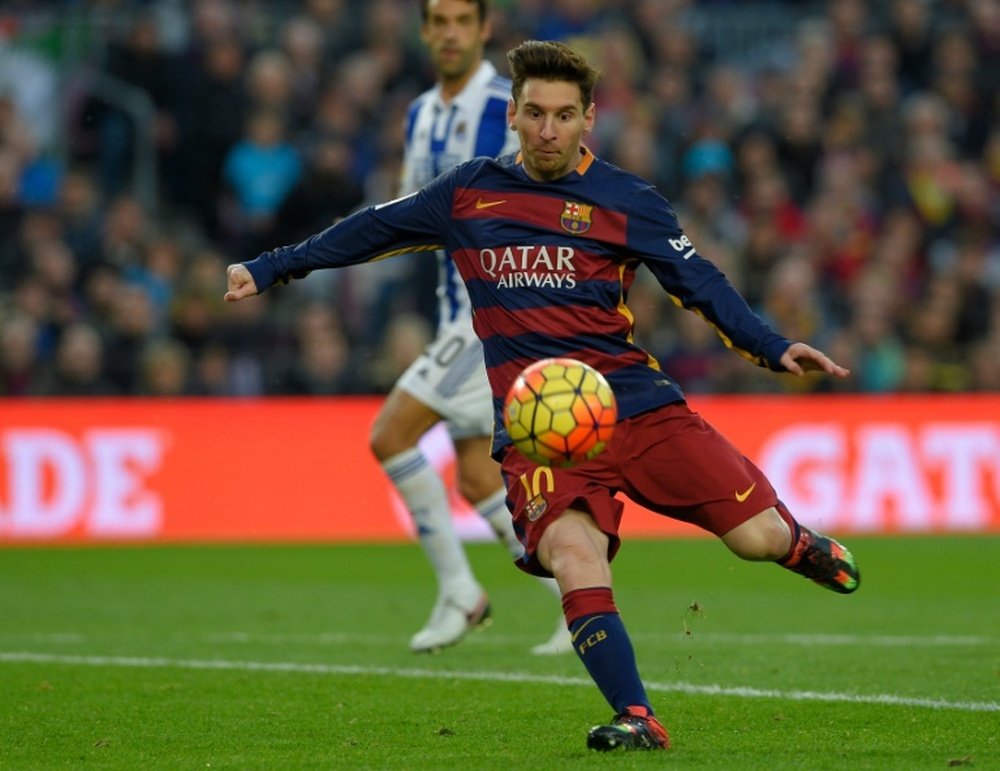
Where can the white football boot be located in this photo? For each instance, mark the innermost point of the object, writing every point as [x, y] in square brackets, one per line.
[449, 622]
[560, 642]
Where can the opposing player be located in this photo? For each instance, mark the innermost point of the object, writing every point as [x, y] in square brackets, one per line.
[548, 242]
[461, 117]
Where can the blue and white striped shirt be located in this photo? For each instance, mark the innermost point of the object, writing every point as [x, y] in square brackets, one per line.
[440, 135]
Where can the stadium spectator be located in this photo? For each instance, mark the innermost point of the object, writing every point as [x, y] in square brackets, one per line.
[16, 136]
[984, 365]
[19, 359]
[706, 205]
[126, 231]
[326, 191]
[80, 209]
[133, 324]
[910, 32]
[194, 315]
[165, 370]
[51, 263]
[302, 43]
[320, 361]
[12, 211]
[78, 367]
[138, 61]
[211, 372]
[252, 337]
[101, 287]
[260, 172]
[211, 119]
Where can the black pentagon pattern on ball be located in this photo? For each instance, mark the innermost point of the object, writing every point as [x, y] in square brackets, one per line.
[560, 412]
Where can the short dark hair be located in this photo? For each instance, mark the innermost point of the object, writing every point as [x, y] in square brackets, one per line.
[482, 6]
[551, 60]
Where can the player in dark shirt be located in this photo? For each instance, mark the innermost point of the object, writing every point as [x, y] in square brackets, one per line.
[547, 243]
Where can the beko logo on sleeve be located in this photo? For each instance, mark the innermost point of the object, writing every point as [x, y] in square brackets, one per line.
[682, 244]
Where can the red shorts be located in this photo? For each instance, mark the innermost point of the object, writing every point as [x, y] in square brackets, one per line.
[668, 460]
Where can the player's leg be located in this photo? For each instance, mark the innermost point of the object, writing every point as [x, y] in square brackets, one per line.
[461, 602]
[575, 546]
[692, 472]
[480, 482]
[765, 536]
[575, 551]
[775, 535]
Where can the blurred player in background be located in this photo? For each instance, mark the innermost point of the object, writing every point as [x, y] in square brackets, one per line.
[463, 116]
[548, 243]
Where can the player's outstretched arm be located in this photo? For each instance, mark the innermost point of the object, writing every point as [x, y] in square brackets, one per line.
[241, 283]
[800, 358]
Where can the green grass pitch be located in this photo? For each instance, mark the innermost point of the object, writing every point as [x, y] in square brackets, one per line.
[294, 657]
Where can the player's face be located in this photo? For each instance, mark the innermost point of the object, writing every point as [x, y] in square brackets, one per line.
[455, 35]
[550, 120]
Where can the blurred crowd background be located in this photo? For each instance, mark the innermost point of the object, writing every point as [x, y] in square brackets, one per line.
[840, 161]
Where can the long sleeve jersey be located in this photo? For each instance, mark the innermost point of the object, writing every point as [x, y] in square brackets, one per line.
[548, 267]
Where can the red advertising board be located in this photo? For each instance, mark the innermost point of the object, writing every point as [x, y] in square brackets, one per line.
[300, 470]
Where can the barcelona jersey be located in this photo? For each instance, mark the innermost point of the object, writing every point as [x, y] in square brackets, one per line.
[548, 267]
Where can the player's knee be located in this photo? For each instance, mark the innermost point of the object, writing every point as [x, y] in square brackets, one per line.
[476, 489]
[478, 475]
[763, 537]
[383, 442]
[470, 490]
[376, 442]
[575, 552]
[579, 565]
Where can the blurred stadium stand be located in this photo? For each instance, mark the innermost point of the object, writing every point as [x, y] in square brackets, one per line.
[839, 160]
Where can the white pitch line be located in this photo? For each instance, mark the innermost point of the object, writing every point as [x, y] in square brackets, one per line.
[501, 677]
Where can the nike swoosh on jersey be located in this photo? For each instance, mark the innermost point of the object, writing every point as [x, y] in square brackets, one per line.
[481, 204]
[740, 497]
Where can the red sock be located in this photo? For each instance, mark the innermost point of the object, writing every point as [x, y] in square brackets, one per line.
[793, 528]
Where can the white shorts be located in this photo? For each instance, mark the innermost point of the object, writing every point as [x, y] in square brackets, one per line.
[450, 378]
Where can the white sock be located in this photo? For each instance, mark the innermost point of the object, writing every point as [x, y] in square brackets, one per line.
[494, 510]
[423, 491]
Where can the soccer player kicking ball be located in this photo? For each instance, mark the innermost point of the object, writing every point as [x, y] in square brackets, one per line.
[548, 242]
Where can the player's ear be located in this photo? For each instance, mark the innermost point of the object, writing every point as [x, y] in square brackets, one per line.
[588, 118]
[511, 112]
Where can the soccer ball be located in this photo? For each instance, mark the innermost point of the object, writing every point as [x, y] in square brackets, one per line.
[560, 412]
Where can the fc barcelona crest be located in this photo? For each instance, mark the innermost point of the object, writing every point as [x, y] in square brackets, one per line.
[535, 508]
[575, 218]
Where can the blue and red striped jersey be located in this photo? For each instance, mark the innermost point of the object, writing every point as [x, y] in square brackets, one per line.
[548, 266]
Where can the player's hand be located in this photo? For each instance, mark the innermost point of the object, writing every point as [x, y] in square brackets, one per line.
[801, 358]
[241, 283]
